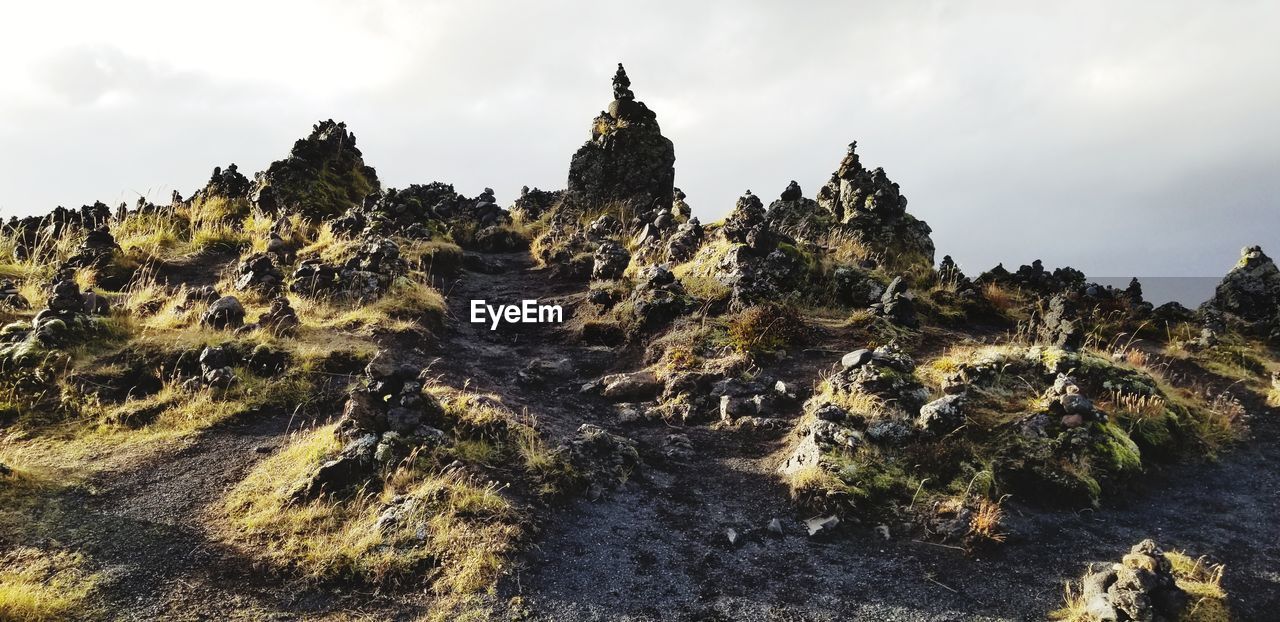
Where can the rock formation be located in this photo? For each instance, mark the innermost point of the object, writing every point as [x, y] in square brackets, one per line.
[1251, 290]
[797, 216]
[627, 160]
[1140, 587]
[323, 176]
[875, 211]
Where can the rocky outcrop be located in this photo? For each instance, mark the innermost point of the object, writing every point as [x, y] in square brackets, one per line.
[1059, 324]
[684, 243]
[227, 183]
[96, 251]
[797, 216]
[224, 313]
[1251, 290]
[259, 272]
[1035, 278]
[627, 160]
[534, 204]
[1139, 588]
[757, 267]
[611, 260]
[364, 276]
[385, 417]
[874, 211]
[324, 176]
[897, 304]
[35, 233]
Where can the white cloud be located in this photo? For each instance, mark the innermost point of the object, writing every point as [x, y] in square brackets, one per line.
[1121, 138]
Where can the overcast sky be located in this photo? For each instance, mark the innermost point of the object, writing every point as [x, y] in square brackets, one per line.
[1121, 138]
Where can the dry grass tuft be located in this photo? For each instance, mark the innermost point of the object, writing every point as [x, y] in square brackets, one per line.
[37, 585]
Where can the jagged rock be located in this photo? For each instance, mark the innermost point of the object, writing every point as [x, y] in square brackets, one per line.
[897, 304]
[259, 272]
[533, 204]
[226, 312]
[640, 385]
[942, 416]
[658, 297]
[603, 460]
[215, 369]
[228, 183]
[821, 526]
[324, 176]
[874, 210]
[364, 276]
[96, 251]
[1139, 588]
[855, 287]
[1071, 407]
[611, 260]
[1173, 312]
[1059, 325]
[1251, 290]
[603, 227]
[821, 438]
[680, 209]
[627, 159]
[797, 216]
[279, 320]
[1035, 278]
[684, 243]
[33, 232]
[748, 214]
[351, 468]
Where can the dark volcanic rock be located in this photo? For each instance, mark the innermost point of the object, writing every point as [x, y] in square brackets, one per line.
[324, 175]
[1251, 291]
[797, 216]
[259, 272]
[533, 204]
[226, 312]
[874, 211]
[627, 159]
[1140, 587]
[227, 183]
[1059, 324]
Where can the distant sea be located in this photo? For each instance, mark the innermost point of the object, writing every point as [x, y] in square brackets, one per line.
[1191, 291]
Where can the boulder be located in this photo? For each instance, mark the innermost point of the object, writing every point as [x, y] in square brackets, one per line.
[611, 260]
[634, 386]
[942, 416]
[224, 313]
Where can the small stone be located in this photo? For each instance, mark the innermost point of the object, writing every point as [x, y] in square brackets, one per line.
[857, 358]
[821, 526]
[732, 535]
[775, 528]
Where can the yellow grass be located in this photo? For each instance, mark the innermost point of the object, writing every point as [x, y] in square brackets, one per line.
[37, 585]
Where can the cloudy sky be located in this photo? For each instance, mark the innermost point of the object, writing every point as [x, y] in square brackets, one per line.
[1121, 138]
